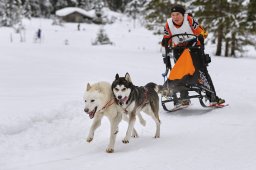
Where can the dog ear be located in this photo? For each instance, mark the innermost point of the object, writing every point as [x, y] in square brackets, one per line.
[117, 76]
[128, 77]
[88, 87]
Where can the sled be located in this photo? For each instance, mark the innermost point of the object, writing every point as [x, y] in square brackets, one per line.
[188, 74]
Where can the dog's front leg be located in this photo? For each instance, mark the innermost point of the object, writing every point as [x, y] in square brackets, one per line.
[114, 122]
[132, 118]
[95, 124]
[134, 132]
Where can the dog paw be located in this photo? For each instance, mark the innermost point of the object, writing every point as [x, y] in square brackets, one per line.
[109, 150]
[89, 139]
[135, 134]
[157, 136]
[125, 141]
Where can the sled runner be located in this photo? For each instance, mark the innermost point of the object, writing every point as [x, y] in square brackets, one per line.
[189, 73]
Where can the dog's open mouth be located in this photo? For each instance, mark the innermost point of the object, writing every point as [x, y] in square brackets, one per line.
[92, 113]
[122, 101]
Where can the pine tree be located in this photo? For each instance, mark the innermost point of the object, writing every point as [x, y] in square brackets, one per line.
[2, 7]
[118, 5]
[251, 17]
[85, 4]
[19, 10]
[27, 9]
[228, 21]
[235, 27]
[237, 23]
[11, 12]
[46, 8]
[157, 12]
[212, 15]
[135, 6]
[35, 8]
[61, 4]
[72, 3]
[102, 38]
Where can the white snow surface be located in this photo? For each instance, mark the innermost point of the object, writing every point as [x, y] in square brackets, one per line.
[43, 126]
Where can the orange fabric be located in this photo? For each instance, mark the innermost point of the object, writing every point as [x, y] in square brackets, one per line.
[196, 28]
[184, 66]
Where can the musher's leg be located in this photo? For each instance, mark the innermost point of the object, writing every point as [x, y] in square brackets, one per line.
[212, 96]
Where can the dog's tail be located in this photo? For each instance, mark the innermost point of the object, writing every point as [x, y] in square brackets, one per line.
[160, 89]
[154, 86]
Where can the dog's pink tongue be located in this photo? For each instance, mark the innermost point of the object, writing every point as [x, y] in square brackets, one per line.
[122, 101]
[91, 114]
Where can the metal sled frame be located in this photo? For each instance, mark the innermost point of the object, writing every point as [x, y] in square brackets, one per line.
[199, 90]
[199, 93]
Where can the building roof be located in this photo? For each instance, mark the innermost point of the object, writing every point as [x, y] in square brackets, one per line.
[69, 10]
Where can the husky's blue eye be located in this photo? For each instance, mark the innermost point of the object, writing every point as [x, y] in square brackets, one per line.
[123, 89]
[92, 100]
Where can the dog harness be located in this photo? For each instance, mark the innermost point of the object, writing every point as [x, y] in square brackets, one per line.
[109, 103]
[143, 101]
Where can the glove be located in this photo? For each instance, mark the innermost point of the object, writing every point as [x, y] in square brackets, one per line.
[204, 34]
[201, 39]
[207, 58]
[165, 42]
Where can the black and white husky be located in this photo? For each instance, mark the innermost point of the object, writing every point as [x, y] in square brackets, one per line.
[133, 99]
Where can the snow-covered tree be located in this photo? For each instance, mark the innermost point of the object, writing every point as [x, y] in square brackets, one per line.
[251, 16]
[61, 4]
[35, 8]
[117, 5]
[157, 12]
[65, 3]
[98, 5]
[27, 9]
[227, 20]
[211, 15]
[85, 4]
[2, 7]
[102, 38]
[46, 8]
[11, 11]
[72, 3]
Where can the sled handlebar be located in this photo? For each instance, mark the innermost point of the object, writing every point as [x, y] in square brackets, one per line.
[187, 40]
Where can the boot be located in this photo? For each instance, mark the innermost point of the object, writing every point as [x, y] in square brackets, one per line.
[217, 100]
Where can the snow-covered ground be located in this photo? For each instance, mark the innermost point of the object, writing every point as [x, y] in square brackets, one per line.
[43, 126]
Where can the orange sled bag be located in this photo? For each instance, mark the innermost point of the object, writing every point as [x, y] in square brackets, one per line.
[183, 67]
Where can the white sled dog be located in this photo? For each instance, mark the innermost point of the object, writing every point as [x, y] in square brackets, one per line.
[99, 102]
[133, 99]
